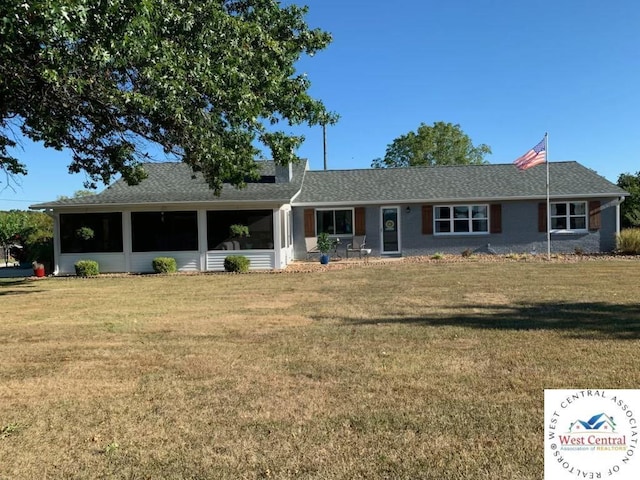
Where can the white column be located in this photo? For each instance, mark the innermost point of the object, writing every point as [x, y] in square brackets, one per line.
[277, 248]
[127, 245]
[56, 243]
[202, 239]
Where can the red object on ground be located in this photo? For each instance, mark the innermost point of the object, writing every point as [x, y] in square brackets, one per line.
[39, 272]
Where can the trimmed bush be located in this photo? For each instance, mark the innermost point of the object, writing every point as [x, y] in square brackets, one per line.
[236, 263]
[86, 268]
[164, 265]
[628, 241]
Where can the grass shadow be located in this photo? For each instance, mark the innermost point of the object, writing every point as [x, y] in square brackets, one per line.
[27, 286]
[582, 320]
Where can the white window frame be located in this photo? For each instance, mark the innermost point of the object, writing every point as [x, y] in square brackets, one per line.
[567, 217]
[334, 210]
[451, 219]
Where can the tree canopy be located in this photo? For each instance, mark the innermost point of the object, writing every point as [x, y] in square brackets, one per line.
[440, 144]
[32, 231]
[207, 81]
[630, 208]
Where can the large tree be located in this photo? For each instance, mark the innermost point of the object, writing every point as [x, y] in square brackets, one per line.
[630, 208]
[439, 144]
[205, 80]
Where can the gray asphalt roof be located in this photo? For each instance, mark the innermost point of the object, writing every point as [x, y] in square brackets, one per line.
[448, 183]
[175, 182]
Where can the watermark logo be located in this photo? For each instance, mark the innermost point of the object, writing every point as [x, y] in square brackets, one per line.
[591, 434]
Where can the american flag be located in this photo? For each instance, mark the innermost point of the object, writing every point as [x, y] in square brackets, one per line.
[533, 157]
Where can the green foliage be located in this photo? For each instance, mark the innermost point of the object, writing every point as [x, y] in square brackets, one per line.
[630, 208]
[111, 448]
[205, 81]
[237, 264]
[628, 241]
[440, 144]
[238, 230]
[77, 194]
[164, 265]
[9, 429]
[85, 233]
[13, 227]
[324, 242]
[86, 268]
[437, 256]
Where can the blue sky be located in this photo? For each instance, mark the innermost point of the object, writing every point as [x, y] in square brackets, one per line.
[506, 71]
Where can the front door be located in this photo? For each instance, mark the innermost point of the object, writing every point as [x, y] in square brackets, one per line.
[390, 220]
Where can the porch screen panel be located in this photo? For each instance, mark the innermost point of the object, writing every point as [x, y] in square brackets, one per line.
[259, 222]
[164, 231]
[106, 227]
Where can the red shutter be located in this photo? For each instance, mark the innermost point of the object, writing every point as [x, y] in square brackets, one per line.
[595, 221]
[360, 221]
[309, 222]
[542, 217]
[496, 218]
[427, 219]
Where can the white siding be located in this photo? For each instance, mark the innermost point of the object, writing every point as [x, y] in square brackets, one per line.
[186, 261]
[107, 262]
[260, 259]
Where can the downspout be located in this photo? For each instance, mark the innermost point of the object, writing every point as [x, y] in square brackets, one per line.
[620, 200]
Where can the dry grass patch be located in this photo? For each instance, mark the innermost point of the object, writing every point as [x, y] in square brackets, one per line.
[395, 371]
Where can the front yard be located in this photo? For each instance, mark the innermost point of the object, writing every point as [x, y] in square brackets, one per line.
[399, 370]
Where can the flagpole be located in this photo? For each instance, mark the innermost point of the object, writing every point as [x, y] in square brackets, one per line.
[546, 150]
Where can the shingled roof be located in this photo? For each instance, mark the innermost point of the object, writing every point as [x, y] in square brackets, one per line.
[175, 182]
[452, 183]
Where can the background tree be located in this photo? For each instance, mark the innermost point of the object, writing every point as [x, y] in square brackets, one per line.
[440, 144]
[630, 208]
[28, 235]
[77, 194]
[206, 81]
[13, 225]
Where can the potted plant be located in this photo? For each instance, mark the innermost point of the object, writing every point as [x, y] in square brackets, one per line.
[324, 246]
[85, 233]
[238, 230]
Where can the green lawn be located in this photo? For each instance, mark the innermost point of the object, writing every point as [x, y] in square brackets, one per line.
[400, 371]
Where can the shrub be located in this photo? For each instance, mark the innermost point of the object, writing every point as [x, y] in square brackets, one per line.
[164, 265]
[86, 268]
[628, 241]
[467, 252]
[437, 256]
[236, 263]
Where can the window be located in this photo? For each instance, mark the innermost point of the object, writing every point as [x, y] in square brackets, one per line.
[569, 216]
[461, 219]
[259, 222]
[164, 231]
[334, 222]
[105, 227]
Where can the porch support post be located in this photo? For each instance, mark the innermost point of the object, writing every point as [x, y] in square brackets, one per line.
[57, 250]
[277, 247]
[127, 244]
[202, 239]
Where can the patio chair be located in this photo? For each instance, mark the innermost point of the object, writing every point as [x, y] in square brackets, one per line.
[311, 243]
[357, 244]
